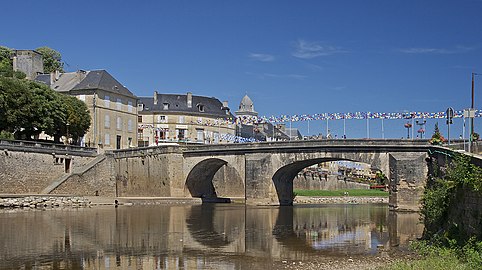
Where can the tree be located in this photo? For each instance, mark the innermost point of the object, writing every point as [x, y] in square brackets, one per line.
[52, 59]
[27, 108]
[78, 117]
[437, 137]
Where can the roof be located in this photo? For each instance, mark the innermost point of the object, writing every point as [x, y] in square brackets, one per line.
[178, 103]
[83, 80]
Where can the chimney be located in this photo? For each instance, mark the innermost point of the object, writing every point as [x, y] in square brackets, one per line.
[57, 75]
[189, 99]
[155, 97]
[225, 104]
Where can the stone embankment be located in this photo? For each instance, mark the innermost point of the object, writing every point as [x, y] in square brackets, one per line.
[43, 202]
[339, 200]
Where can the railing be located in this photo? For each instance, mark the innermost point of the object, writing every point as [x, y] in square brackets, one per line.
[53, 147]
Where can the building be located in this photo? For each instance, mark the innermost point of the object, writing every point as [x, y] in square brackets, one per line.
[29, 62]
[248, 129]
[184, 118]
[112, 106]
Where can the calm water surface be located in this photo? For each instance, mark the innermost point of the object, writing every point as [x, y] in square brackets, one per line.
[216, 236]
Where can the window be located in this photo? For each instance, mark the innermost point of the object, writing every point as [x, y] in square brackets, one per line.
[107, 139]
[129, 125]
[181, 134]
[165, 106]
[107, 121]
[119, 104]
[107, 101]
[119, 123]
[161, 119]
[129, 106]
[181, 119]
[140, 134]
[199, 135]
[139, 118]
[82, 97]
[200, 107]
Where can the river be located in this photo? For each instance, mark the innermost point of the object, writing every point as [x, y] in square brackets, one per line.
[211, 236]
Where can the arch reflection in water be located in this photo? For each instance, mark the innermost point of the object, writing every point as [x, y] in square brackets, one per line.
[193, 237]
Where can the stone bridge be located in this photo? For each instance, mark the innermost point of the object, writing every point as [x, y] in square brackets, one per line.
[263, 173]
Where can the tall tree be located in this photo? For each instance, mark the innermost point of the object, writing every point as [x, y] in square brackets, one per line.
[52, 59]
[78, 117]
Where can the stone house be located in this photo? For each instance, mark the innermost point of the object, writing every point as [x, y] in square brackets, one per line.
[184, 118]
[113, 108]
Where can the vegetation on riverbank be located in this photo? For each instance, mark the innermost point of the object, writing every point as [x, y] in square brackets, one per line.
[447, 244]
[442, 258]
[341, 192]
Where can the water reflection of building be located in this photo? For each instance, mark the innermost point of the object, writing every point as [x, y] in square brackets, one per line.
[191, 237]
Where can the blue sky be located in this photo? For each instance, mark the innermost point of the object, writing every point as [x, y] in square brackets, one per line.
[290, 57]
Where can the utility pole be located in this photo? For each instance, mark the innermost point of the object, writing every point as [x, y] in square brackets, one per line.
[472, 105]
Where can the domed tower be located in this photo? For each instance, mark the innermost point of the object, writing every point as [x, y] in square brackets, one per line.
[246, 107]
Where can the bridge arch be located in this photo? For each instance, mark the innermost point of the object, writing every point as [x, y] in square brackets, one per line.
[214, 178]
[286, 172]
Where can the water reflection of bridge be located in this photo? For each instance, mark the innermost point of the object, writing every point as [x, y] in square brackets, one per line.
[192, 235]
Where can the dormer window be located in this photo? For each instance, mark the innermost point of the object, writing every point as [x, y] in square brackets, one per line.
[165, 106]
[200, 107]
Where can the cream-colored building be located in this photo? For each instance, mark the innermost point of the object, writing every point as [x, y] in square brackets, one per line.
[113, 108]
[166, 118]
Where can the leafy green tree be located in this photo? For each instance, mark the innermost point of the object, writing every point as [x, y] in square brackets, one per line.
[78, 117]
[27, 108]
[52, 59]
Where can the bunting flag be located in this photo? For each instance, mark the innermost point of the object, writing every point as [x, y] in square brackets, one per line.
[355, 115]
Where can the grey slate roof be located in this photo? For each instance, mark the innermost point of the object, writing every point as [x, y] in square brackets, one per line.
[85, 80]
[178, 103]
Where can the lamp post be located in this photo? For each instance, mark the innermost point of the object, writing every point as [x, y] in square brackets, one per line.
[450, 116]
[422, 127]
[408, 126]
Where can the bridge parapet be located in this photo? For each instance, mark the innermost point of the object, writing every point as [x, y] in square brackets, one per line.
[44, 147]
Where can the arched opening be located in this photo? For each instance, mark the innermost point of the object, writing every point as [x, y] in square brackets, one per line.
[284, 177]
[214, 180]
[199, 182]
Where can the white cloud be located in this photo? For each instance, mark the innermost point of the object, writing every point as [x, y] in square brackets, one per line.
[261, 57]
[308, 50]
[458, 49]
[274, 75]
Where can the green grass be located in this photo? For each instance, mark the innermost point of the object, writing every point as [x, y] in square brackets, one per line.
[341, 192]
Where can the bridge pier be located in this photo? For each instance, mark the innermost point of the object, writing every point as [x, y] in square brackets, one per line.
[408, 175]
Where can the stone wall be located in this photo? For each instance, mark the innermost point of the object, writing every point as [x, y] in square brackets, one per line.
[30, 172]
[150, 172]
[97, 181]
[466, 213]
[315, 182]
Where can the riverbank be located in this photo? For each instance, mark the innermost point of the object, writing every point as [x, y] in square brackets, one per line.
[338, 200]
[382, 260]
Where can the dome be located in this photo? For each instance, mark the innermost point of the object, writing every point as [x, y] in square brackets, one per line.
[246, 107]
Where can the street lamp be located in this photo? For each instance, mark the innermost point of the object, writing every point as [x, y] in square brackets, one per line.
[422, 127]
[408, 126]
